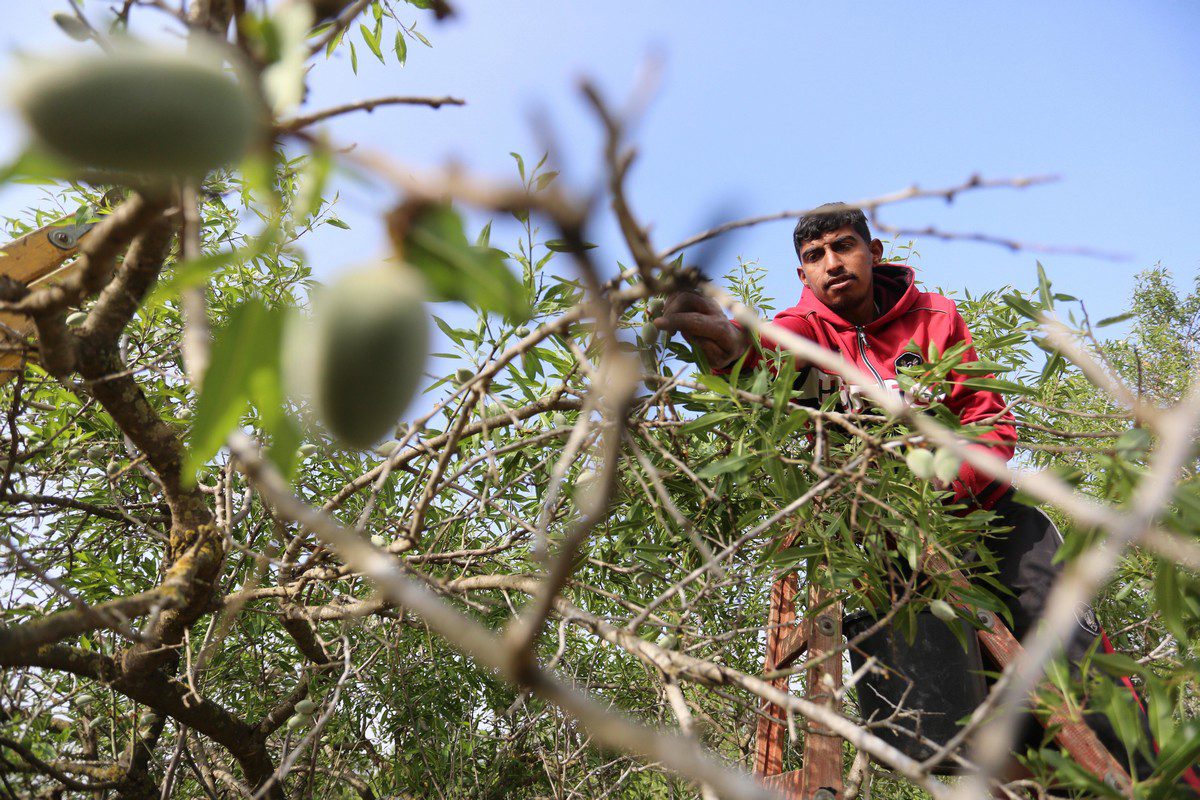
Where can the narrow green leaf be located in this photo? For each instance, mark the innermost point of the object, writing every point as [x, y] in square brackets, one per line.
[1047, 297]
[562, 246]
[248, 343]
[1104, 323]
[997, 385]
[401, 48]
[485, 236]
[437, 246]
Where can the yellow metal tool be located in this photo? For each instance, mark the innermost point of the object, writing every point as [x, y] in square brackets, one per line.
[36, 259]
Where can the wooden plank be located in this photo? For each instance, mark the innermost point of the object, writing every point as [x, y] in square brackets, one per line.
[788, 784]
[769, 735]
[795, 642]
[822, 767]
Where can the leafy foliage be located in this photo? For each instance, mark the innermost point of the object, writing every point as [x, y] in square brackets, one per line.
[498, 466]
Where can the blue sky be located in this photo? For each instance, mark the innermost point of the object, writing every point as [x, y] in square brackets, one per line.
[791, 105]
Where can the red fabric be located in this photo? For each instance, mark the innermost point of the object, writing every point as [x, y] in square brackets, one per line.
[908, 315]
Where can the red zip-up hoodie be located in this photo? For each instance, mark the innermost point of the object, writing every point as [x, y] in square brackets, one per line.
[905, 314]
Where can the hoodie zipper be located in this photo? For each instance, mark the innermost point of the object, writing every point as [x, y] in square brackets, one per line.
[863, 347]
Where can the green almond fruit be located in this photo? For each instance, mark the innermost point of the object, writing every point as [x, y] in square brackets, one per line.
[296, 721]
[76, 318]
[668, 641]
[306, 450]
[71, 25]
[655, 308]
[649, 333]
[361, 355]
[306, 707]
[463, 374]
[83, 700]
[558, 419]
[159, 112]
[96, 453]
[921, 463]
[388, 448]
[521, 332]
[943, 611]
[945, 465]
[379, 541]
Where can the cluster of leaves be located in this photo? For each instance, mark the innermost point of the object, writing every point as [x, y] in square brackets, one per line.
[698, 527]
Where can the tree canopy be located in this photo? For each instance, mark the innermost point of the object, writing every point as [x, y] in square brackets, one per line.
[548, 575]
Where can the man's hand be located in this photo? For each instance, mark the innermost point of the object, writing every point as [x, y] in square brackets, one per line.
[703, 323]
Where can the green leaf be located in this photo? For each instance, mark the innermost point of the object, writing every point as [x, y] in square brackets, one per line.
[437, 246]
[1167, 598]
[1104, 323]
[353, 59]
[1117, 664]
[334, 42]
[371, 40]
[401, 48]
[243, 349]
[562, 246]
[727, 465]
[997, 385]
[1021, 305]
[981, 367]
[1047, 297]
[545, 180]
[485, 236]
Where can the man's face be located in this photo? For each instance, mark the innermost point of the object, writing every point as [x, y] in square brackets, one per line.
[836, 267]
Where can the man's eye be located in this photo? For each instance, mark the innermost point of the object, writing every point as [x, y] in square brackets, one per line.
[812, 256]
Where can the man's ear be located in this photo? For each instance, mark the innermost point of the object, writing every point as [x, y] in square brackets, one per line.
[804, 278]
[876, 251]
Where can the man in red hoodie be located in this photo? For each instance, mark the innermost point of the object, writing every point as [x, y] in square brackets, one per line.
[869, 312]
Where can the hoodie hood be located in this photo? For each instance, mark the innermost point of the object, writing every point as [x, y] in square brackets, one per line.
[895, 292]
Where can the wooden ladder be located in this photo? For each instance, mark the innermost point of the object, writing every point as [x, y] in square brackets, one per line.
[820, 776]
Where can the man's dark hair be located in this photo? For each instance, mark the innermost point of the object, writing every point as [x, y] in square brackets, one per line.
[819, 222]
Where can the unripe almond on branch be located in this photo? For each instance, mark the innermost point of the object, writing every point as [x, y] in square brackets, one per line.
[945, 465]
[921, 463]
[943, 610]
[306, 707]
[361, 354]
[71, 25]
[150, 110]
